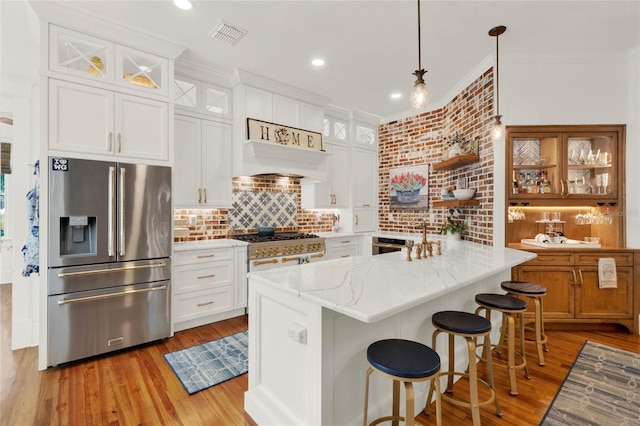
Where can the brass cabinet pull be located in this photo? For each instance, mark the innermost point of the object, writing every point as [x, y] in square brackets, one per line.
[317, 255]
[119, 142]
[199, 195]
[290, 259]
[581, 279]
[204, 256]
[205, 303]
[205, 195]
[345, 242]
[264, 262]
[575, 278]
[345, 255]
[110, 141]
[357, 220]
[561, 187]
[366, 205]
[206, 276]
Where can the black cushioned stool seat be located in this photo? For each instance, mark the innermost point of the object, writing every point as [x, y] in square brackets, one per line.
[402, 361]
[511, 307]
[469, 327]
[535, 293]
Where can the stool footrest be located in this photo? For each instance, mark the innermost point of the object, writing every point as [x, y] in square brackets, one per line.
[463, 403]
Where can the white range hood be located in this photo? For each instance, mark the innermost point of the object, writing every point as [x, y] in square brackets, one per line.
[253, 157]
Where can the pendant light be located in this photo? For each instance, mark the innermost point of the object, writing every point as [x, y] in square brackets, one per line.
[497, 132]
[419, 93]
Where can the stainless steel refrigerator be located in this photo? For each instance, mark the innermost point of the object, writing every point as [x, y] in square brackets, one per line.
[109, 246]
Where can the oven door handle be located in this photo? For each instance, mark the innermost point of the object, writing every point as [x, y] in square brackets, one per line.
[290, 259]
[110, 295]
[389, 245]
[264, 262]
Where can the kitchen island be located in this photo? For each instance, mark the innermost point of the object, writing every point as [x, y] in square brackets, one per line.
[310, 326]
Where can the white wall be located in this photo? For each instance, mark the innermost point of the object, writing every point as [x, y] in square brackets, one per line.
[538, 89]
[19, 76]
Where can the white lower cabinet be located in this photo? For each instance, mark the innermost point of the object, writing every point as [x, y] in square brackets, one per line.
[337, 247]
[207, 286]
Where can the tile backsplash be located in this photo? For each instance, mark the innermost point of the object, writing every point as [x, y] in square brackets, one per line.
[257, 201]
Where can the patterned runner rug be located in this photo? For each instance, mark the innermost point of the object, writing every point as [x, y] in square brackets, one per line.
[202, 366]
[600, 389]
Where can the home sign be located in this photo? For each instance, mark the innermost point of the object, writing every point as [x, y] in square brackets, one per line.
[283, 135]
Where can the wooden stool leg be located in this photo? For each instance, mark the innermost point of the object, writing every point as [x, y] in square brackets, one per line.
[511, 353]
[524, 360]
[452, 352]
[409, 415]
[473, 382]
[538, 329]
[396, 402]
[366, 395]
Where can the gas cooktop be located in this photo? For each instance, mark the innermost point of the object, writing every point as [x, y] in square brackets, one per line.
[278, 236]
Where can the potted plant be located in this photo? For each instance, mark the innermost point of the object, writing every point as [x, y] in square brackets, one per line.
[453, 228]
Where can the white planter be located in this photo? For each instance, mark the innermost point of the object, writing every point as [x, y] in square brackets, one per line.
[452, 241]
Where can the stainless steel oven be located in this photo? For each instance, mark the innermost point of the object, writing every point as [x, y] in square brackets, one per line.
[381, 245]
[281, 249]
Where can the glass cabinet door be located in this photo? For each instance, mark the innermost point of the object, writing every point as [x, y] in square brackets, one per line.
[80, 54]
[590, 165]
[536, 165]
[141, 70]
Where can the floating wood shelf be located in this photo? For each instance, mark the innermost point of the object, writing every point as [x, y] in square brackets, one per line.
[456, 203]
[457, 161]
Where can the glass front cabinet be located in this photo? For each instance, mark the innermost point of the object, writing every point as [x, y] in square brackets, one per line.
[566, 165]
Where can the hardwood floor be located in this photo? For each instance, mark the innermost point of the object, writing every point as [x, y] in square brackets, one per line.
[137, 387]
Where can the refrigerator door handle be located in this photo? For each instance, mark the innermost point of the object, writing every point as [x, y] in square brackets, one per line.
[121, 211]
[111, 213]
[111, 270]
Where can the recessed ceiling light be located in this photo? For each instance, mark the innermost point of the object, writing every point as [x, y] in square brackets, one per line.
[183, 4]
[318, 62]
[396, 95]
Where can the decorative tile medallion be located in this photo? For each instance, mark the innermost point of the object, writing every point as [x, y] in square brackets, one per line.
[254, 209]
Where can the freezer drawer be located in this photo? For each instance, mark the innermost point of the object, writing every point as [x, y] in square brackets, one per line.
[94, 322]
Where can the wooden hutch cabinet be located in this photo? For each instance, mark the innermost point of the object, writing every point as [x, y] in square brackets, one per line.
[578, 172]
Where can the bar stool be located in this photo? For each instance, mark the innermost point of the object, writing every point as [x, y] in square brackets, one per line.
[402, 361]
[535, 292]
[510, 307]
[470, 327]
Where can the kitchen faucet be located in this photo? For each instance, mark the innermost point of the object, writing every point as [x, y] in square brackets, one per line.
[425, 245]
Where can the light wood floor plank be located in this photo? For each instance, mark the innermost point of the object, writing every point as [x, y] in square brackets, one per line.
[136, 387]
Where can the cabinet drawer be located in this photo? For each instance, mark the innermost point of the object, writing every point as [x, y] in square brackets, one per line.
[344, 251]
[202, 277]
[202, 303]
[556, 258]
[621, 258]
[202, 256]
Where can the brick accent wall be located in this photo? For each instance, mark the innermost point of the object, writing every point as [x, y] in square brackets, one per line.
[420, 140]
[213, 223]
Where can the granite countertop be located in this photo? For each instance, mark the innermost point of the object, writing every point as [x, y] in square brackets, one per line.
[207, 244]
[371, 288]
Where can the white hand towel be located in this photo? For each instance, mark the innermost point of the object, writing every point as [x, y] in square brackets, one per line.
[607, 277]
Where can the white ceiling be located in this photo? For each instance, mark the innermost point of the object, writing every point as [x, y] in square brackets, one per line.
[370, 47]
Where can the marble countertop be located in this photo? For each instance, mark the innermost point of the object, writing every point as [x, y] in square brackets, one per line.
[207, 244]
[371, 288]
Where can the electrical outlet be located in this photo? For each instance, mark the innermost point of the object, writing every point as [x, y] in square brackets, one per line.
[297, 333]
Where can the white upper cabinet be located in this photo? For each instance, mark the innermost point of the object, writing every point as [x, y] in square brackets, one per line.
[200, 97]
[81, 55]
[274, 108]
[84, 119]
[85, 56]
[364, 177]
[202, 170]
[334, 192]
[141, 71]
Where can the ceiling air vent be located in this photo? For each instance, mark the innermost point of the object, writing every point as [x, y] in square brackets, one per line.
[227, 33]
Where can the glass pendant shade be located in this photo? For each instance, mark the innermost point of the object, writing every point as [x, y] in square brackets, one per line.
[497, 132]
[420, 92]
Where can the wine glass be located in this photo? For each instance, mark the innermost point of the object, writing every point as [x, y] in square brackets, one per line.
[598, 183]
[605, 182]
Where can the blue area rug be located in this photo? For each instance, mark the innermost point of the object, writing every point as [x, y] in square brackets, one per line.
[602, 388]
[202, 366]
